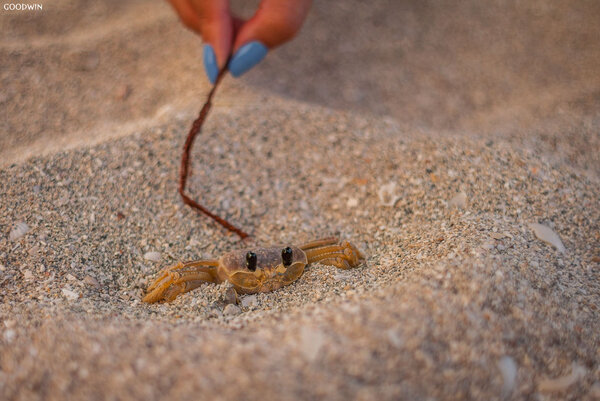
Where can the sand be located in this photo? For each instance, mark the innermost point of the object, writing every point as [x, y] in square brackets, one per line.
[434, 151]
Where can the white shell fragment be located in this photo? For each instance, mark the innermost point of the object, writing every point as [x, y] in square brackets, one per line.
[546, 234]
[152, 256]
[458, 201]
[249, 300]
[564, 382]
[70, 295]
[387, 194]
[20, 230]
[508, 370]
[352, 202]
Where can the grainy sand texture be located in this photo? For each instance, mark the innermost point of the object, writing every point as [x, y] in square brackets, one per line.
[456, 144]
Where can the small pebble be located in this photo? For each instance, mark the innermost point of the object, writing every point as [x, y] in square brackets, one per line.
[20, 230]
[232, 310]
[387, 195]
[352, 202]
[34, 250]
[547, 235]
[9, 335]
[230, 296]
[89, 280]
[458, 201]
[70, 295]
[152, 256]
[249, 301]
[508, 369]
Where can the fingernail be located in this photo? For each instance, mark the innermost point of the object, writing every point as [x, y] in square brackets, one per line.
[210, 63]
[247, 57]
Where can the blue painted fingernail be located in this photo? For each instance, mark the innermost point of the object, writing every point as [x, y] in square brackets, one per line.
[247, 57]
[210, 63]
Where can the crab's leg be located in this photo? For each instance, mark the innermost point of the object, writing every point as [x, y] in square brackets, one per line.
[182, 277]
[343, 256]
[319, 243]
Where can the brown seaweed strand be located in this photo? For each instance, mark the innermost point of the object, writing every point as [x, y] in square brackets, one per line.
[185, 162]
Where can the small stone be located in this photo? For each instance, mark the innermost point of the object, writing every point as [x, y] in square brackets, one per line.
[459, 201]
[343, 276]
[71, 277]
[194, 243]
[9, 335]
[249, 301]
[232, 310]
[508, 370]
[230, 296]
[352, 202]
[152, 256]
[387, 194]
[547, 235]
[20, 230]
[27, 275]
[70, 295]
[91, 281]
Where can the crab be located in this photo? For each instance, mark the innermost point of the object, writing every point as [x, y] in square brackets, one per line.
[252, 270]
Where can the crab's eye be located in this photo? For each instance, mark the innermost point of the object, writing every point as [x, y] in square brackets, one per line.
[251, 261]
[286, 255]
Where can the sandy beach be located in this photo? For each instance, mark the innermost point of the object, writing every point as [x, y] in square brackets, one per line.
[456, 145]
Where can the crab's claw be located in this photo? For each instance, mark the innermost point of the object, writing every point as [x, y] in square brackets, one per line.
[182, 277]
[330, 251]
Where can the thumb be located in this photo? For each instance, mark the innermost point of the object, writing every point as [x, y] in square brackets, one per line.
[275, 22]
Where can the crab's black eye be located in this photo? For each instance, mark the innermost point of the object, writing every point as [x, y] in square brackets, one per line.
[286, 255]
[251, 261]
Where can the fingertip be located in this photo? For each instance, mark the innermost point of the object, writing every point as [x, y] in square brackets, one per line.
[247, 57]
[210, 63]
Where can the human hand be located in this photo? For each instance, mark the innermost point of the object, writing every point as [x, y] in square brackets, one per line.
[275, 22]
